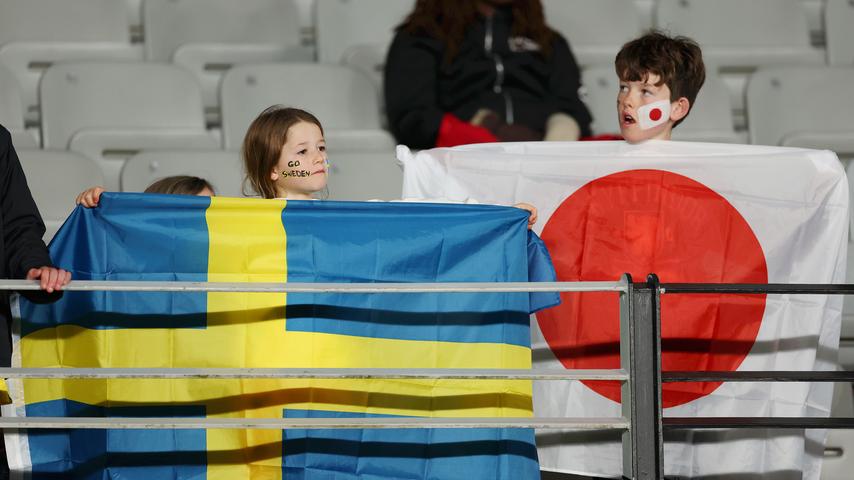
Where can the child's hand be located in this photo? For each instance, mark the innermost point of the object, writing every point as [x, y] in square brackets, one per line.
[51, 278]
[90, 197]
[532, 218]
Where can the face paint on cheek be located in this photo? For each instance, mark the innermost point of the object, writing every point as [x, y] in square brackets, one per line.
[653, 114]
[295, 173]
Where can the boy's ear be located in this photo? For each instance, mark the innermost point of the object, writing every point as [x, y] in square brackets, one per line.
[679, 109]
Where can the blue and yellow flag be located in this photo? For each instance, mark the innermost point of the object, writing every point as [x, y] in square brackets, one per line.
[182, 238]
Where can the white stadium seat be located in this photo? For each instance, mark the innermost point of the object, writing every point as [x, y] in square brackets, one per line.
[739, 36]
[343, 100]
[12, 110]
[343, 24]
[358, 34]
[109, 111]
[802, 107]
[710, 119]
[743, 33]
[840, 443]
[838, 20]
[37, 33]
[364, 176]
[209, 36]
[222, 169]
[595, 29]
[55, 178]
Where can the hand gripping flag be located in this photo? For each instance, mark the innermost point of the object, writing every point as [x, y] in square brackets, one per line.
[690, 213]
[183, 238]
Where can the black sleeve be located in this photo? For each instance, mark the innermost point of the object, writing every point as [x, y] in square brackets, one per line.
[411, 73]
[565, 83]
[22, 225]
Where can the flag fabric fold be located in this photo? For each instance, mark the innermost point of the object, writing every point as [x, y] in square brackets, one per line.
[689, 212]
[143, 237]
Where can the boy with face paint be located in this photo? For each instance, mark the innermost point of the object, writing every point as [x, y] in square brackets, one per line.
[660, 77]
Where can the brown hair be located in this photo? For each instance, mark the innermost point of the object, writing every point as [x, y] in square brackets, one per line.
[180, 185]
[678, 61]
[262, 145]
[448, 20]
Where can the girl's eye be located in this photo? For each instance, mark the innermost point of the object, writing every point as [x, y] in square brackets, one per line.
[302, 152]
[647, 93]
[322, 148]
[624, 88]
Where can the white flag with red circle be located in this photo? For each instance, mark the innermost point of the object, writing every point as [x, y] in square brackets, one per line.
[688, 212]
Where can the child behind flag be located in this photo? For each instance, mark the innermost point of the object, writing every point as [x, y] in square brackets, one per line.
[284, 155]
[660, 77]
[174, 185]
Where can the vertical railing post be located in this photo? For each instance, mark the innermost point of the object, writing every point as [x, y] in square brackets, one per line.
[640, 357]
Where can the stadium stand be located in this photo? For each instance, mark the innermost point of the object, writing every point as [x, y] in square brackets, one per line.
[31, 40]
[358, 34]
[839, 18]
[342, 98]
[740, 35]
[209, 36]
[55, 179]
[108, 111]
[595, 29]
[802, 106]
[12, 110]
[222, 169]
[364, 176]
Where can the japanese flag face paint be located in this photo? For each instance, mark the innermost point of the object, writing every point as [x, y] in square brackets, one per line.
[653, 114]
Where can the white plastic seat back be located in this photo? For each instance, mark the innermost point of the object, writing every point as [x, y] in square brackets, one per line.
[109, 111]
[342, 24]
[595, 29]
[838, 461]
[55, 179]
[209, 36]
[742, 33]
[802, 107]
[63, 21]
[36, 33]
[710, 118]
[838, 19]
[222, 169]
[12, 110]
[599, 93]
[342, 99]
[365, 176]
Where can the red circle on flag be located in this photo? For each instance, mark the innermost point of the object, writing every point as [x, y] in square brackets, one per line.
[655, 114]
[652, 221]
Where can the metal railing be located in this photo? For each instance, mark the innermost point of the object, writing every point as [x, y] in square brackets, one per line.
[640, 374]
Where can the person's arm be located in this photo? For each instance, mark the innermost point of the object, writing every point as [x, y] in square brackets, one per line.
[26, 253]
[564, 84]
[412, 105]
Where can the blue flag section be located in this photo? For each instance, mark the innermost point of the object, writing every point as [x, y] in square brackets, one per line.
[142, 237]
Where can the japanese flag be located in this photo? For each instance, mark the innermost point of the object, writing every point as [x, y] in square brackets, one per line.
[689, 212]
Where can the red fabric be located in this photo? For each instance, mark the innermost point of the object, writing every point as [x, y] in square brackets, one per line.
[453, 132]
[641, 221]
[601, 137]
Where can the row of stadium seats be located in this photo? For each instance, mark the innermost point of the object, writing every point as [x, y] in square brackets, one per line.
[108, 110]
[209, 36]
[56, 177]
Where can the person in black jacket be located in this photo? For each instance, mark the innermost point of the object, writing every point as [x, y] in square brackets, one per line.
[22, 250]
[470, 71]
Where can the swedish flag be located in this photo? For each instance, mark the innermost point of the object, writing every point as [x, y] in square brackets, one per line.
[180, 238]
